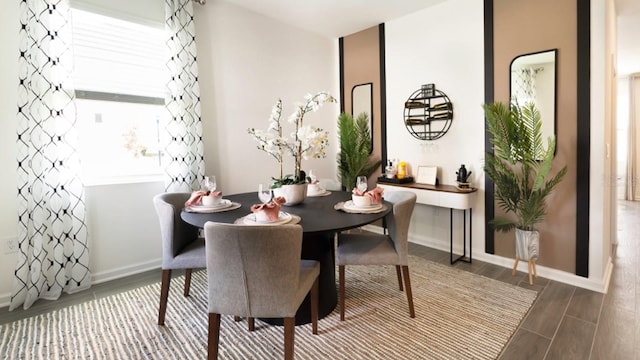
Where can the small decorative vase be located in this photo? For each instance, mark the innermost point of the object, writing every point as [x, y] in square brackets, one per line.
[294, 194]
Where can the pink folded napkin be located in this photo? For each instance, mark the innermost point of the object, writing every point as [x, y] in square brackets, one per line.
[375, 194]
[196, 196]
[271, 210]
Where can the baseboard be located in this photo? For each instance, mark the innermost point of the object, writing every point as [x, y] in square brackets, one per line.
[549, 273]
[113, 274]
[100, 277]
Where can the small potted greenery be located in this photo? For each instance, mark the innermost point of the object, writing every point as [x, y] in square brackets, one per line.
[355, 149]
[520, 168]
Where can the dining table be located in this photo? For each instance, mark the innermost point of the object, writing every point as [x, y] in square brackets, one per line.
[321, 218]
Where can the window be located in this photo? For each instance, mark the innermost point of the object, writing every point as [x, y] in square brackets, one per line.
[120, 80]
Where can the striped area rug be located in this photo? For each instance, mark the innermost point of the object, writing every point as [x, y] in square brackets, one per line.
[459, 315]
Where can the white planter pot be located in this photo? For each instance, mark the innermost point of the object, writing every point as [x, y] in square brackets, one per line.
[527, 244]
[294, 194]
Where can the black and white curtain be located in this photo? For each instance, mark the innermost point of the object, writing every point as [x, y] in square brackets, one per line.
[523, 85]
[52, 235]
[185, 152]
[632, 186]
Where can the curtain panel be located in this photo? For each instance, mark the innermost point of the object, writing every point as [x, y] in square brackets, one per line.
[632, 191]
[185, 151]
[52, 235]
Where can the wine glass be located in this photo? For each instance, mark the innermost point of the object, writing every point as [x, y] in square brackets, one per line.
[361, 183]
[313, 176]
[209, 183]
[264, 193]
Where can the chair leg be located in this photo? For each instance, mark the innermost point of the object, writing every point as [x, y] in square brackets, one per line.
[407, 284]
[251, 323]
[214, 336]
[398, 272]
[164, 295]
[314, 307]
[187, 281]
[341, 290]
[289, 331]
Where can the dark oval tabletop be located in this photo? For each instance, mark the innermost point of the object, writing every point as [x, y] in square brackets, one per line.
[317, 213]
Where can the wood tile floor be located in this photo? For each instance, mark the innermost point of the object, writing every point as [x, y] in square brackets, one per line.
[565, 322]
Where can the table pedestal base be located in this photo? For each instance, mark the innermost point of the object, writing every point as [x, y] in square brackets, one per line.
[319, 247]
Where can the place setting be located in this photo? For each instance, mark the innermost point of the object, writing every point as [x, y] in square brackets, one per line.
[363, 201]
[313, 187]
[269, 211]
[208, 200]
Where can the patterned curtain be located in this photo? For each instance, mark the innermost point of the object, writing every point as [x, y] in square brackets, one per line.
[185, 152]
[632, 186]
[523, 85]
[52, 234]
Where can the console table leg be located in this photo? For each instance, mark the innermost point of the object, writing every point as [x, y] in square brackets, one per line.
[451, 236]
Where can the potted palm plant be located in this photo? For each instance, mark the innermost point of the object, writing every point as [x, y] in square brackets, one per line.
[520, 168]
[355, 149]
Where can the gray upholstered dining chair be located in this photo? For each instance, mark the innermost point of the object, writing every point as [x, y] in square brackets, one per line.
[380, 249]
[182, 248]
[256, 271]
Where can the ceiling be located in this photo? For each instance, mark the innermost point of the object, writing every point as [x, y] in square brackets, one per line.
[337, 18]
[334, 18]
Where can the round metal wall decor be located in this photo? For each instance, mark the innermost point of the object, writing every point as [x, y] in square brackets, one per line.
[428, 114]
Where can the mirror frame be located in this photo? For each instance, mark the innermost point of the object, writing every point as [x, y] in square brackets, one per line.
[555, 89]
[363, 107]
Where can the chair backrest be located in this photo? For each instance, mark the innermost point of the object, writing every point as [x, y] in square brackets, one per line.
[176, 234]
[253, 271]
[398, 221]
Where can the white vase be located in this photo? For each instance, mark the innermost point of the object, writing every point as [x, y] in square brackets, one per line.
[293, 194]
[527, 244]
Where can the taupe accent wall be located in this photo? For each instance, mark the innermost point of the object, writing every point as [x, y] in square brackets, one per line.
[361, 64]
[527, 26]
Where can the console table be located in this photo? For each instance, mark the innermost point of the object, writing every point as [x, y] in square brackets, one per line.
[447, 196]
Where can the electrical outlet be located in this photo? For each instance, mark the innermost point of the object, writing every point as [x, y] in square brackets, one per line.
[10, 245]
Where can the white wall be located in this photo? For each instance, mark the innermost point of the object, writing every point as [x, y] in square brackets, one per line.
[443, 45]
[246, 62]
[9, 25]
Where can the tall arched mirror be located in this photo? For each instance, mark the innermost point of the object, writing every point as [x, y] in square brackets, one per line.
[533, 79]
[362, 102]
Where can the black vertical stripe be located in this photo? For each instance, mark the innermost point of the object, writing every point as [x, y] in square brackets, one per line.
[489, 204]
[583, 137]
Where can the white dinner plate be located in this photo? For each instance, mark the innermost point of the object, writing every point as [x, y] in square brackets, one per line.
[213, 209]
[283, 218]
[323, 193]
[224, 203]
[349, 205]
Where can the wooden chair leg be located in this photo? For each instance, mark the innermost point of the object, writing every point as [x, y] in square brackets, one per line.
[407, 285]
[236, 318]
[289, 331]
[214, 336]
[398, 272]
[341, 290]
[515, 267]
[164, 295]
[314, 307]
[187, 281]
[251, 323]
